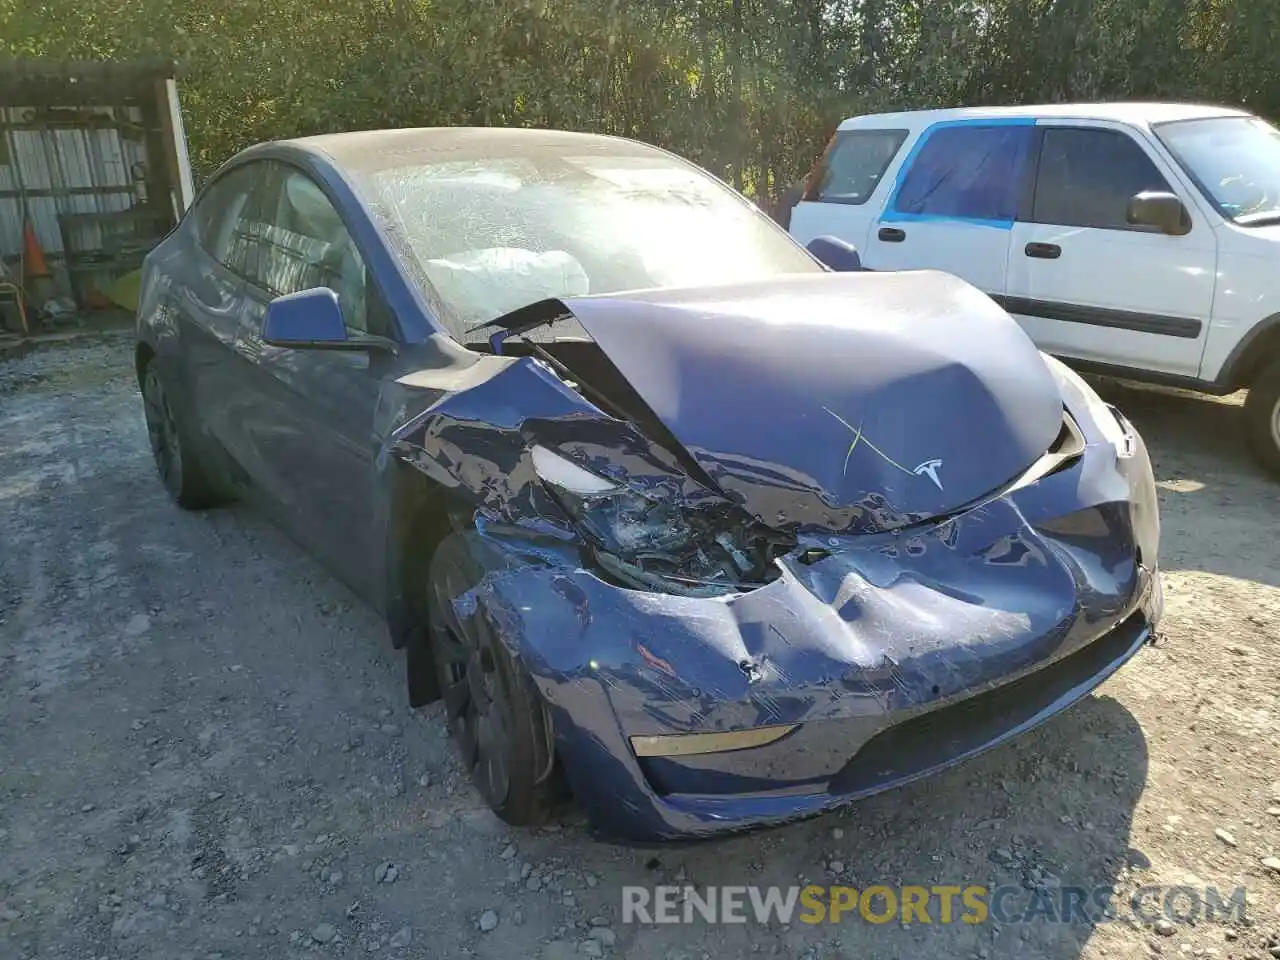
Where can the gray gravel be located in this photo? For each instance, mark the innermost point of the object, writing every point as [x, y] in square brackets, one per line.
[205, 749]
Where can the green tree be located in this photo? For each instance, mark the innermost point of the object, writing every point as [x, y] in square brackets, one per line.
[749, 88]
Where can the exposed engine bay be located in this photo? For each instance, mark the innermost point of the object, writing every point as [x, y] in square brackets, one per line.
[693, 554]
[647, 542]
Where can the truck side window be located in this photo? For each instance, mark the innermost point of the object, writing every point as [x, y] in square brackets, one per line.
[1087, 177]
[967, 171]
[853, 164]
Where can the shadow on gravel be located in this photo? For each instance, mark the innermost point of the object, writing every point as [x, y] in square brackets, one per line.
[1197, 426]
[1032, 822]
[1214, 497]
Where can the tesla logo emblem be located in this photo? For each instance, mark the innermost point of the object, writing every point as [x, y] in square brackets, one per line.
[930, 469]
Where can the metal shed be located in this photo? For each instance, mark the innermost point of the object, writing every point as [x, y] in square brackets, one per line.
[93, 160]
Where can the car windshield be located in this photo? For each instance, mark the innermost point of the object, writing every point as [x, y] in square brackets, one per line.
[492, 235]
[1234, 160]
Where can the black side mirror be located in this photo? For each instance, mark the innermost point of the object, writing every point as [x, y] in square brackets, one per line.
[835, 253]
[1161, 210]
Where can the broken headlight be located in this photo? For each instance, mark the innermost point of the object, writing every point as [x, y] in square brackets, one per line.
[1110, 423]
[645, 542]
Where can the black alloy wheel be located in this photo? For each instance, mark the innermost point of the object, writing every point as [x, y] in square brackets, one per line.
[494, 711]
[162, 431]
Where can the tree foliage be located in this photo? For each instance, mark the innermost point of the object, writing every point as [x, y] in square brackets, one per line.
[749, 88]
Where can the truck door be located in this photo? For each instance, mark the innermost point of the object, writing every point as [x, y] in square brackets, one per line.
[1084, 282]
[955, 200]
[838, 196]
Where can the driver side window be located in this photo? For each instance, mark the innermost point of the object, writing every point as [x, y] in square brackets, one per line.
[301, 242]
[1088, 175]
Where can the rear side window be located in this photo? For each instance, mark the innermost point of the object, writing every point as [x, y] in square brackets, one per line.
[853, 164]
[1087, 177]
[968, 172]
[220, 209]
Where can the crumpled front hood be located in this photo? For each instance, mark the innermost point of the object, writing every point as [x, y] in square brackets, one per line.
[841, 401]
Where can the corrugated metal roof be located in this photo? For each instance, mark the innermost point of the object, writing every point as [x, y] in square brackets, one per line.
[96, 161]
[74, 165]
[48, 82]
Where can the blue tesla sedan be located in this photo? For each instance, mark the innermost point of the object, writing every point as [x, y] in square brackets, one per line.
[674, 515]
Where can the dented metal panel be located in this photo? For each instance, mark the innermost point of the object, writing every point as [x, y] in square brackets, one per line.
[867, 625]
[831, 399]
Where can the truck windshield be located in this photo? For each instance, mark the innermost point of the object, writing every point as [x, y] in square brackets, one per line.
[1235, 161]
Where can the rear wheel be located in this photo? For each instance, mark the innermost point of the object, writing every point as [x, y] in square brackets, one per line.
[175, 452]
[1262, 416]
[494, 711]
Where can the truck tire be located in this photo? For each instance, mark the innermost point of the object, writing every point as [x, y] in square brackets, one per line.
[1262, 417]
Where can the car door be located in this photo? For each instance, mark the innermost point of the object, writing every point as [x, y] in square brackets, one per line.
[954, 202]
[208, 299]
[1085, 283]
[313, 429]
[837, 200]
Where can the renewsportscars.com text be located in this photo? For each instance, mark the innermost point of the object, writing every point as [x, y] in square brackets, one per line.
[937, 903]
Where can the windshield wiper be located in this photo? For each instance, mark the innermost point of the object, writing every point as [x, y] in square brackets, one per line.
[1266, 218]
[542, 314]
[531, 316]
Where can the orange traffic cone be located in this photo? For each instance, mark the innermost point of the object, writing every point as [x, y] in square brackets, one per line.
[36, 276]
[33, 255]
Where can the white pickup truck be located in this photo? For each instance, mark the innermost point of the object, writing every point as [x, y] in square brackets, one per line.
[1131, 239]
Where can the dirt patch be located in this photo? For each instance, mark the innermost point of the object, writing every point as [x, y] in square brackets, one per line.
[205, 749]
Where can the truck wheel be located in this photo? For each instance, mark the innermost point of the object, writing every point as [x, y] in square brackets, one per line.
[1262, 416]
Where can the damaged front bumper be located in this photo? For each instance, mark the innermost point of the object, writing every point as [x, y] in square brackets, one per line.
[885, 660]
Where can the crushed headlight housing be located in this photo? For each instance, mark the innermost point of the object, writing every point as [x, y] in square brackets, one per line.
[641, 541]
[567, 475]
[1108, 418]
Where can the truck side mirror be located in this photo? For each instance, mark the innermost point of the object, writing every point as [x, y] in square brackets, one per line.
[1164, 211]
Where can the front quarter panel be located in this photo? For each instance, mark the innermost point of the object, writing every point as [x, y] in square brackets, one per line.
[1247, 295]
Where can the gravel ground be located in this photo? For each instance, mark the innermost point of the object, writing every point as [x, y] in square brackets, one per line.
[205, 750]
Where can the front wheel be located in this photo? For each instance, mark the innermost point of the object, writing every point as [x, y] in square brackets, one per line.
[172, 445]
[1262, 416]
[493, 709]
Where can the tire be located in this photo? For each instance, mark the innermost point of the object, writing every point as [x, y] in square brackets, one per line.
[1262, 417]
[494, 711]
[173, 445]
[420, 668]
